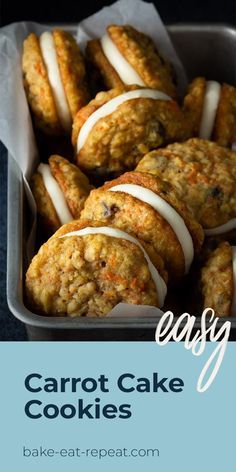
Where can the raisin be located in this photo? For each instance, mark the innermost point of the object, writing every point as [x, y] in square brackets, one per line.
[215, 192]
[109, 210]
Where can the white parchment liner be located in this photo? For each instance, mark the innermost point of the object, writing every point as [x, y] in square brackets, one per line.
[16, 131]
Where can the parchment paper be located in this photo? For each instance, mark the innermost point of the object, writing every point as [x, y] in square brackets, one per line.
[134, 311]
[16, 131]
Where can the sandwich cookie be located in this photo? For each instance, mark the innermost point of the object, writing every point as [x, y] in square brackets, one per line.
[210, 109]
[60, 190]
[118, 127]
[203, 175]
[54, 80]
[125, 56]
[86, 269]
[148, 208]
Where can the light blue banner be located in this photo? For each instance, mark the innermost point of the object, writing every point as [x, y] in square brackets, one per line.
[168, 430]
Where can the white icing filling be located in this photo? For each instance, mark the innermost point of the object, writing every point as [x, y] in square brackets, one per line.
[210, 105]
[111, 106]
[167, 212]
[55, 193]
[231, 224]
[233, 147]
[123, 68]
[50, 58]
[233, 304]
[117, 233]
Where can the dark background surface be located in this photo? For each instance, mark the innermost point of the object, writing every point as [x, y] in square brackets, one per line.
[170, 11]
[209, 11]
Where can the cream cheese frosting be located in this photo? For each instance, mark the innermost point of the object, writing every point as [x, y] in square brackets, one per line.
[225, 228]
[111, 106]
[117, 233]
[55, 193]
[49, 54]
[123, 68]
[167, 212]
[210, 105]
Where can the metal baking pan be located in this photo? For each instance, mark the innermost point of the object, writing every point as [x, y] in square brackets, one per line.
[208, 50]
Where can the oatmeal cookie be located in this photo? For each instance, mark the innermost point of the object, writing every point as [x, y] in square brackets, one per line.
[210, 110]
[204, 177]
[218, 280]
[114, 131]
[54, 80]
[125, 56]
[60, 190]
[87, 273]
[148, 208]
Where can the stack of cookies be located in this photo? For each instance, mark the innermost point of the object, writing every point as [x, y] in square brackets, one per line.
[149, 179]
